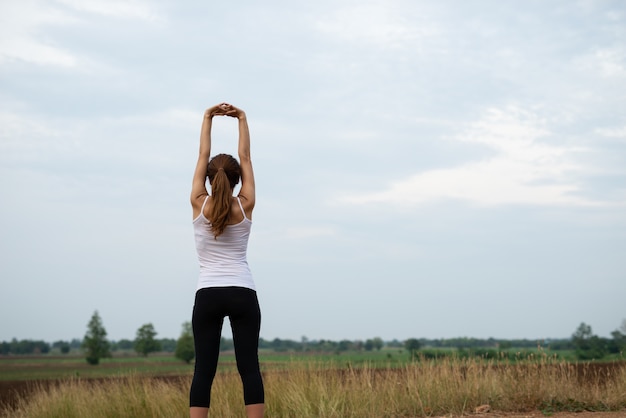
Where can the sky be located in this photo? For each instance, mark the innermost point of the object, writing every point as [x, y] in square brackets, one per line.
[424, 169]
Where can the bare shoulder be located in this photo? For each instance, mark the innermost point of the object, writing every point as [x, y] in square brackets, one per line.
[197, 202]
[247, 204]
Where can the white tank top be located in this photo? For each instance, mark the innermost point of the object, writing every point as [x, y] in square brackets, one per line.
[223, 261]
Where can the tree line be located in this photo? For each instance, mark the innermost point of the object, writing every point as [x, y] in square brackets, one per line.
[96, 346]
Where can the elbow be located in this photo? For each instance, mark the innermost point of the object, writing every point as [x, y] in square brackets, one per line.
[244, 157]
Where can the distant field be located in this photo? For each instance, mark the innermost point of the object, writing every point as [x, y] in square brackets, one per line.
[43, 367]
[165, 364]
[62, 367]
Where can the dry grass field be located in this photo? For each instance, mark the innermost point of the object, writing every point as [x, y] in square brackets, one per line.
[447, 387]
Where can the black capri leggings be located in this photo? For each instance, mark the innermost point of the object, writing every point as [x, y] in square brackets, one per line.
[241, 305]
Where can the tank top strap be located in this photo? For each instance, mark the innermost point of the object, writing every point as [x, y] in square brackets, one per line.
[241, 207]
[206, 199]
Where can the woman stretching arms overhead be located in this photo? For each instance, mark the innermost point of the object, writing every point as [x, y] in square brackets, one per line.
[221, 225]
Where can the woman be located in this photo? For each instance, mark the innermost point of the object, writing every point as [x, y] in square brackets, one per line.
[225, 287]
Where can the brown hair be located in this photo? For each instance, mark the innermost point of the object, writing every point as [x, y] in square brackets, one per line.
[224, 173]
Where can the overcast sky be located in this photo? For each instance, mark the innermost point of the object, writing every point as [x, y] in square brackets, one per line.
[424, 169]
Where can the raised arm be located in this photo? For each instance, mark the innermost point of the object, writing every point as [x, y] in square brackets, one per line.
[247, 191]
[198, 185]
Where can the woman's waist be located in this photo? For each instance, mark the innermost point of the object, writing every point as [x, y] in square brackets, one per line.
[228, 280]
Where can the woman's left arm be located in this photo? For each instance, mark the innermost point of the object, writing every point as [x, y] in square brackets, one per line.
[198, 185]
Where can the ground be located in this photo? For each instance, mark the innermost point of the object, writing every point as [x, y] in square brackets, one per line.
[539, 414]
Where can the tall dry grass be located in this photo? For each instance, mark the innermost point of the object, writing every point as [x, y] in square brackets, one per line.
[421, 389]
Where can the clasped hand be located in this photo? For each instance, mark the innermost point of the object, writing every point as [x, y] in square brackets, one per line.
[225, 109]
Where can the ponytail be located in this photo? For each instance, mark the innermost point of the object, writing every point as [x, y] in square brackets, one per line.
[222, 199]
[224, 173]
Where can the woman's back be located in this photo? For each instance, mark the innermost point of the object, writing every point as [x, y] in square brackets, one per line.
[223, 259]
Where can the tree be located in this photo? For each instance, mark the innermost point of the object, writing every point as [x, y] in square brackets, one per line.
[345, 345]
[588, 346]
[24, 347]
[582, 333]
[95, 343]
[168, 344]
[378, 343]
[618, 344]
[375, 343]
[184, 346]
[226, 344]
[305, 342]
[124, 344]
[504, 345]
[145, 342]
[412, 345]
[63, 346]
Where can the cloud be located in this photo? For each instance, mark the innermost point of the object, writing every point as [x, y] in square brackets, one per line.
[29, 50]
[605, 62]
[380, 24]
[126, 9]
[22, 25]
[304, 232]
[522, 169]
[26, 139]
[19, 34]
[619, 133]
